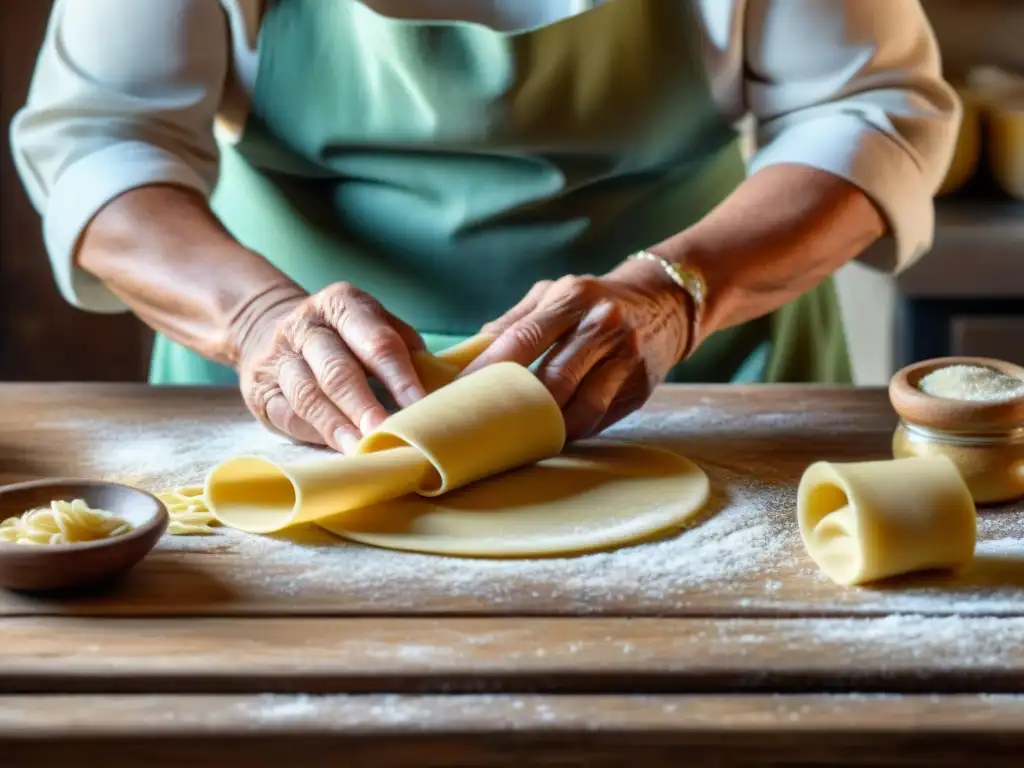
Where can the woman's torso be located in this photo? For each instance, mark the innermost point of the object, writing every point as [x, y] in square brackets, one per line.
[445, 166]
[719, 23]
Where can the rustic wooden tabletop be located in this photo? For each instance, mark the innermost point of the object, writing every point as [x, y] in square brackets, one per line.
[721, 645]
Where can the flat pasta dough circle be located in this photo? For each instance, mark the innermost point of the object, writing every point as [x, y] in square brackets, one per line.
[596, 495]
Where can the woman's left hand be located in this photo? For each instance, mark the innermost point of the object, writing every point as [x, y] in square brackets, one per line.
[606, 341]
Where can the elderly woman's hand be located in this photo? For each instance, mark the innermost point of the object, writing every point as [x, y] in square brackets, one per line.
[606, 341]
[304, 369]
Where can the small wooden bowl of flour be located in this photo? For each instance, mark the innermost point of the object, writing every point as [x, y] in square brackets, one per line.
[960, 394]
[971, 410]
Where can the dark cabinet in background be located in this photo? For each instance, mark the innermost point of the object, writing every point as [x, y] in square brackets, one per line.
[972, 328]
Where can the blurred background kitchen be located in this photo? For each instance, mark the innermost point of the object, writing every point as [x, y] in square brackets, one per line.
[965, 298]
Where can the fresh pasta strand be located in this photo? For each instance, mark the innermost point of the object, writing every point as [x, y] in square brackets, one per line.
[188, 512]
[63, 522]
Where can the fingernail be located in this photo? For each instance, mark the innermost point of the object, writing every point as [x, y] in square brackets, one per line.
[346, 440]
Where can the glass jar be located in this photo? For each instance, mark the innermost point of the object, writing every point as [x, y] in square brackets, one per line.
[992, 464]
[984, 438]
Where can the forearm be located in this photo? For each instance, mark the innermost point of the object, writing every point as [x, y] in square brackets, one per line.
[782, 232]
[165, 255]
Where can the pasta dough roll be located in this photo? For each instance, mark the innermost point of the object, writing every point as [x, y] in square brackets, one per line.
[500, 418]
[872, 520]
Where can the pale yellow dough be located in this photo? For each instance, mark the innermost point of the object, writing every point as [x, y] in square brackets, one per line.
[440, 370]
[401, 490]
[62, 522]
[187, 510]
[597, 495]
[873, 520]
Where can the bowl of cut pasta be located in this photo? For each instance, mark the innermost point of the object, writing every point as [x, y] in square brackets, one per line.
[74, 534]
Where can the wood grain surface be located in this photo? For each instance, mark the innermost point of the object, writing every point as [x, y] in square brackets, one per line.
[311, 655]
[402, 731]
[722, 643]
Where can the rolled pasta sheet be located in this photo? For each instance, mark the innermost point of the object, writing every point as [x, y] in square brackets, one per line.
[63, 522]
[868, 521]
[497, 419]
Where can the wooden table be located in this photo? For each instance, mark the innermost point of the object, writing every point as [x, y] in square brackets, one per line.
[723, 645]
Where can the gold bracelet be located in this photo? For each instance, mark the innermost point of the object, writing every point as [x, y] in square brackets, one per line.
[692, 282]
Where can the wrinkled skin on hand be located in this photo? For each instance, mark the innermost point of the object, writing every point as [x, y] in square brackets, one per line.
[305, 370]
[604, 343]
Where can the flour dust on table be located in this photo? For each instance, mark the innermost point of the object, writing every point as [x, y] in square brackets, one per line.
[747, 544]
[178, 454]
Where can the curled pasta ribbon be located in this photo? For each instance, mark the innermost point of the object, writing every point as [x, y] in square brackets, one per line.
[188, 512]
[63, 522]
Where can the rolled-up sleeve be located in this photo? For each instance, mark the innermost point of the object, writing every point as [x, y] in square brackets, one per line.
[855, 88]
[124, 95]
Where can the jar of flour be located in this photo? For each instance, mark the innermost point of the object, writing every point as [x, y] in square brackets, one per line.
[971, 410]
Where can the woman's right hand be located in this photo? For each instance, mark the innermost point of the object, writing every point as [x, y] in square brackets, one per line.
[305, 364]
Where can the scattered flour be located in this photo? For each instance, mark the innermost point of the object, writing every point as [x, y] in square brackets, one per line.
[294, 714]
[746, 552]
[512, 712]
[751, 535]
[280, 708]
[935, 641]
[384, 710]
[388, 710]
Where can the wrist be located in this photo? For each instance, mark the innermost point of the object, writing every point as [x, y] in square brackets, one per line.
[258, 316]
[677, 284]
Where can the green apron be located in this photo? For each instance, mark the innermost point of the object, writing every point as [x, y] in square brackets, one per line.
[445, 167]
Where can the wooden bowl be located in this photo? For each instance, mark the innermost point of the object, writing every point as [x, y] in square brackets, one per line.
[915, 407]
[48, 567]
